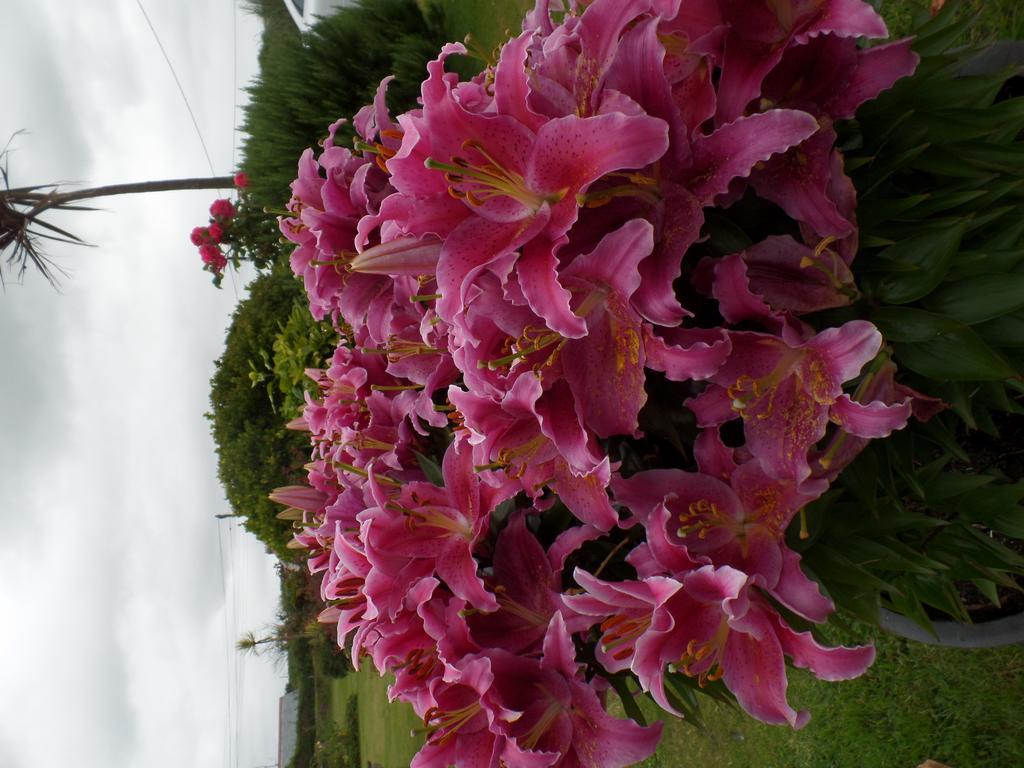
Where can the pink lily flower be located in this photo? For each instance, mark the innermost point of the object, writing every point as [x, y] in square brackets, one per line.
[604, 281]
[759, 35]
[343, 589]
[711, 626]
[403, 647]
[775, 278]
[460, 721]
[536, 438]
[559, 718]
[723, 630]
[428, 529]
[884, 396]
[786, 392]
[830, 75]
[627, 612]
[511, 183]
[739, 521]
[528, 589]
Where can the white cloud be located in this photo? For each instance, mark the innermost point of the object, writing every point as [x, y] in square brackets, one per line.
[109, 547]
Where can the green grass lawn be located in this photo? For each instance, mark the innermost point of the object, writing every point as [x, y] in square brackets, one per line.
[960, 707]
[996, 18]
[384, 728]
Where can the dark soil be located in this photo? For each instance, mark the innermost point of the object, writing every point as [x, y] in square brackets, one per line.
[1003, 455]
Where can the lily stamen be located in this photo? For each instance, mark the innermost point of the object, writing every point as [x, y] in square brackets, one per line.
[442, 726]
[529, 342]
[704, 660]
[620, 632]
[476, 183]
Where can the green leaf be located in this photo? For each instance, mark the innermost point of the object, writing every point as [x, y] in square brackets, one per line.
[935, 431]
[818, 514]
[683, 699]
[629, 704]
[994, 393]
[878, 170]
[861, 602]
[958, 395]
[949, 485]
[910, 324]
[876, 241]
[983, 417]
[876, 265]
[931, 471]
[834, 566]
[899, 450]
[982, 220]
[430, 468]
[690, 688]
[1009, 523]
[960, 545]
[1004, 118]
[938, 593]
[971, 160]
[913, 555]
[861, 477]
[724, 235]
[973, 92]
[1005, 238]
[896, 519]
[974, 263]
[908, 604]
[957, 355]
[877, 556]
[945, 161]
[997, 189]
[942, 203]
[988, 589]
[994, 502]
[1006, 331]
[887, 128]
[939, 34]
[929, 253]
[872, 211]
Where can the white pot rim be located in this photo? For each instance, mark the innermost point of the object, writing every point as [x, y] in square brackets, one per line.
[1008, 630]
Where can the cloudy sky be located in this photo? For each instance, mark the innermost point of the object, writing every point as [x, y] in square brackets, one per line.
[121, 593]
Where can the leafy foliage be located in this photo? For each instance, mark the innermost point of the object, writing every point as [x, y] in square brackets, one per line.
[308, 81]
[255, 452]
[300, 343]
[991, 18]
[253, 236]
[938, 162]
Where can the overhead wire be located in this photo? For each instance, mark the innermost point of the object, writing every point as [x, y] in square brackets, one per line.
[230, 752]
[188, 105]
[181, 90]
[236, 566]
[228, 741]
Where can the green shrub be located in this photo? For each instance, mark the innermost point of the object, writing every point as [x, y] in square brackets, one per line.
[255, 452]
[301, 343]
[938, 163]
[307, 82]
